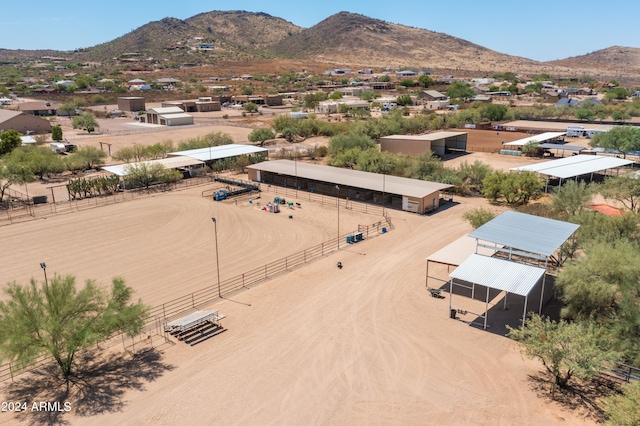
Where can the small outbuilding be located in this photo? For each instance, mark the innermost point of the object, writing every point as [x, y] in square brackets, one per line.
[131, 103]
[171, 116]
[415, 145]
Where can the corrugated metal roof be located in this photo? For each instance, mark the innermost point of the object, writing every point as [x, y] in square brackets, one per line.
[561, 146]
[219, 152]
[168, 163]
[426, 137]
[529, 233]
[353, 178]
[576, 165]
[459, 250]
[537, 138]
[499, 274]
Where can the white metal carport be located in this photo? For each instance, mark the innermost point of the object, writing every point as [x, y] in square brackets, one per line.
[498, 274]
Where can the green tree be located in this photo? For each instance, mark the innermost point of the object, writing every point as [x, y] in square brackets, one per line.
[472, 175]
[617, 93]
[144, 174]
[69, 108]
[425, 81]
[247, 90]
[211, 139]
[250, 107]
[621, 409]
[90, 156]
[13, 171]
[494, 112]
[335, 95]
[261, 135]
[85, 121]
[37, 160]
[9, 140]
[460, 90]
[512, 187]
[311, 100]
[56, 133]
[570, 199]
[55, 318]
[620, 139]
[478, 217]
[624, 188]
[404, 100]
[531, 149]
[566, 349]
[584, 114]
[407, 82]
[384, 78]
[342, 143]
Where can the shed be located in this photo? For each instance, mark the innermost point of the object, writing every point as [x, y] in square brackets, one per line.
[440, 143]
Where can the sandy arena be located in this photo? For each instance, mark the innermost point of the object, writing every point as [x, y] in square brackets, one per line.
[366, 344]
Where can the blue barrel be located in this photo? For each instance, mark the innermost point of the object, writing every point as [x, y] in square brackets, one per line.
[384, 230]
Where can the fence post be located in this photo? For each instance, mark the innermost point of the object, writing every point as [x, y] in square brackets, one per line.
[11, 373]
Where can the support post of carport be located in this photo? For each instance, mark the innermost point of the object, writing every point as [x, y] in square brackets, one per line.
[426, 279]
[544, 280]
[450, 293]
[524, 313]
[486, 309]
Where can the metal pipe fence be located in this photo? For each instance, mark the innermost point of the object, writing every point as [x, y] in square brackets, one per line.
[176, 308]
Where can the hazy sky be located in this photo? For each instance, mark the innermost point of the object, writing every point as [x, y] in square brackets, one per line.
[543, 30]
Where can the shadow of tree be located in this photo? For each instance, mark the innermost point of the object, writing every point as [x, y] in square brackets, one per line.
[580, 397]
[98, 385]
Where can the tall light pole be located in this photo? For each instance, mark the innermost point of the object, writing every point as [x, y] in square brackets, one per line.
[215, 223]
[338, 199]
[44, 268]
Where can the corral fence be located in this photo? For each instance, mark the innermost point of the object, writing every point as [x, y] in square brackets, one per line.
[21, 208]
[323, 199]
[153, 332]
[472, 148]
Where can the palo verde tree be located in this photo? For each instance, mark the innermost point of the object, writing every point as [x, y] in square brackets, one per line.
[512, 187]
[85, 121]
[261, 135]
[90, 156]
[144, 174]
[619, 139]
[250, 107]
[566, 349]
[56, 318]
[602, 287]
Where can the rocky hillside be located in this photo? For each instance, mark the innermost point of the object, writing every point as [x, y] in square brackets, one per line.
[345, 38]
[231, 33]
[621, 59]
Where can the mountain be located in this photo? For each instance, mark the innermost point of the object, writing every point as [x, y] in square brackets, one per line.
[622, 59]
[231, 33]
[360, 40]
[346, 39]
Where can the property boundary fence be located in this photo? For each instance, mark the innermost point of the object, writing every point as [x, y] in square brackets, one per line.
[160, 315]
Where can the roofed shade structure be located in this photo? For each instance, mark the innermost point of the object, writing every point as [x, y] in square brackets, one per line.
[529, 233]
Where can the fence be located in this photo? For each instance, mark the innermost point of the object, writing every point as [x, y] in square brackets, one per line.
[24, 210]
[323, 199]
[160, 315]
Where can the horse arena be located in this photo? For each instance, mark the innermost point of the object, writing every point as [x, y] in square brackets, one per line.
[312, 344]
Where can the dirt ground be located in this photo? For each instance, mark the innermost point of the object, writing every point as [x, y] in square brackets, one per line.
[366, 344]
[363, 345]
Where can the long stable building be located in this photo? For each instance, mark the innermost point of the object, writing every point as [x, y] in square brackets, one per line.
[412, 195]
